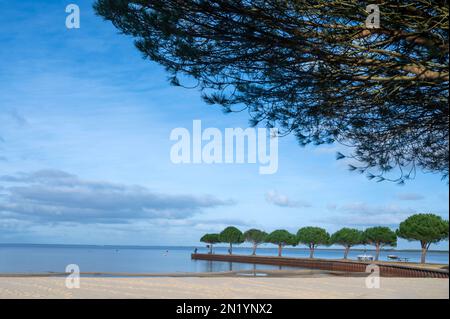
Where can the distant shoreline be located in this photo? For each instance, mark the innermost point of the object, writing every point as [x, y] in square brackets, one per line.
[193, 247]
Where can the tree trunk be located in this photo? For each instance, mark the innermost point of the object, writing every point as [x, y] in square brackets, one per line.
[211, 249]
[280, 248]
[230, 250]
[311, 251]
[424, 252]
[377, 253]
[423, 256]
[254, 249]
[347, 249]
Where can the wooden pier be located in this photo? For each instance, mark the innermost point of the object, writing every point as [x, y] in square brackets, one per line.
[386, 269]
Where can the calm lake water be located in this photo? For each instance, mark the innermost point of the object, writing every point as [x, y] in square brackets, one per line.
[130, 259]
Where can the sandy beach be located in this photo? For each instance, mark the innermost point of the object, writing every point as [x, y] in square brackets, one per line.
[222, 287]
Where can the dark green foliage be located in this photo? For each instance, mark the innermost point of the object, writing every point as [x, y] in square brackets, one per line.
[231, 235]
[426, 228]
[313, 237]
[281, 238]
[210, 239]
[380, 237]
[256, 237]
[312, 68]
[347, 237]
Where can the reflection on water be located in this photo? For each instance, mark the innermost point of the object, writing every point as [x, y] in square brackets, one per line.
[220, 266]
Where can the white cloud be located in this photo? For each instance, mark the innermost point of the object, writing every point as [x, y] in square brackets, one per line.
[410, 196]
[281, 200]
[364, 214]
[56, 196]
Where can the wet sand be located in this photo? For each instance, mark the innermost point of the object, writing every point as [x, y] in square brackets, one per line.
[317, 286]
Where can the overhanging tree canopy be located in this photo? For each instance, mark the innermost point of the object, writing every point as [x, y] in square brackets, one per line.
[312, 68]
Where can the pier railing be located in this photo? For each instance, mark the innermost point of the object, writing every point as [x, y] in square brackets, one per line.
[386, 269]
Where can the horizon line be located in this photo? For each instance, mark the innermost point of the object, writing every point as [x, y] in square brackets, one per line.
[195, 246]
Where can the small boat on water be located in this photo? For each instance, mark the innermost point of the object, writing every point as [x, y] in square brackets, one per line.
[365, 257]
[394, 257]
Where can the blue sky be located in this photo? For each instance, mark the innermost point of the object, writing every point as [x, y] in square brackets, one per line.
[85, 150]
